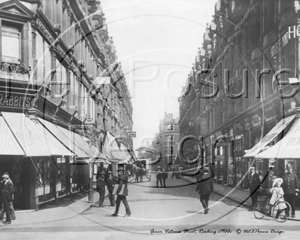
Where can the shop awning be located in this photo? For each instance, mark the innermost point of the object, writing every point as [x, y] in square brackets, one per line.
[77, 140]
[63, 138]
[114, 151]
[96, 154]
[34, 139]
[8, 143]
[269, 137]
[288, 147]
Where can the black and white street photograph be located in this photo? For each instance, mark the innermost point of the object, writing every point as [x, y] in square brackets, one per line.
[149, 119]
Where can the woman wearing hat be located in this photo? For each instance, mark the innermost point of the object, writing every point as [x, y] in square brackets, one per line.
[277, 196]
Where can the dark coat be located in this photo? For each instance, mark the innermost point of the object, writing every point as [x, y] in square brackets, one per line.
[122, 189]
[164, 174]
[254, 182]
[100, 184]
[110, 184]
[158, 174]
[205, 184]
[290, 183]
[8, 189]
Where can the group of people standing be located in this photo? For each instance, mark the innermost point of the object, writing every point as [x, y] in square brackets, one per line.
[115, 186]
[161, 176]
[286, 188]
[6, 202]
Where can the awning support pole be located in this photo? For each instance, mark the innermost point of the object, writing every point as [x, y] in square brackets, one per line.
[91, 190]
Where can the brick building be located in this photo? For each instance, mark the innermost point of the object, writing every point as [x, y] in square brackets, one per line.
[166, 141]
[240, 88]
[51, 51]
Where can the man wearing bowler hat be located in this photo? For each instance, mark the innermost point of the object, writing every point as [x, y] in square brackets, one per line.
[291, 189]
[7, 192]
[205, 188]
[254, 186]
[121, 193]
[110, 187]
[101, 188]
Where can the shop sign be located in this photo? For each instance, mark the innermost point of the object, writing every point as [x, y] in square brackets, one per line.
[271, 163]
[17, 101]
[256, 121]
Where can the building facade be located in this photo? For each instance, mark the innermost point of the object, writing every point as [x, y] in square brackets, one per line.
[166, 141]
[241, 87]
[51, 52]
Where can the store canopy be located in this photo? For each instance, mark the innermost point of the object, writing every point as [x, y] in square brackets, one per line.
[288, 147]
[269, 137]
[77, 140]
[8, 143]
[33, 137]
[96, 154]
[114, 151]
[53, 129]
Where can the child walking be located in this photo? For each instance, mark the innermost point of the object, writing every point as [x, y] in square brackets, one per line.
[277, 195]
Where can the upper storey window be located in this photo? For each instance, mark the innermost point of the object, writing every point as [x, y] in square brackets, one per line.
[11, 42]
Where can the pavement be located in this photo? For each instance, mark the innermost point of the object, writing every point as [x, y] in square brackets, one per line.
[240, 196]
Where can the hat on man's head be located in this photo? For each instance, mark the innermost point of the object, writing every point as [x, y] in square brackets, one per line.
[109, 172]
[205, 169]
[252, 168]
[5, 175]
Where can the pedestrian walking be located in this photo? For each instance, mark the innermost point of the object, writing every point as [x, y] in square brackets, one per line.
[277, 195]
[164, 176]
[158, 176]
[7, 196]
[122, 192]
[101, 188]
[110, 187]
[291, 189]
[137, 174]
[205, 188]
[254, 186]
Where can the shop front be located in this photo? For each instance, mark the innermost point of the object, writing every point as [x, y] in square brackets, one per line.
[39, 157]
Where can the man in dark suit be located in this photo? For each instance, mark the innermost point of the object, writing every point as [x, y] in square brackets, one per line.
[290, 187]
[101, 188]
[7, 192]
[121, 193]
[254, 186]
[110, 187]
[205, 188]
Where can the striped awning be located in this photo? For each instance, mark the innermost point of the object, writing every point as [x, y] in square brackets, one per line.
[33, 137]
[63, 138]
[115, 151]
[8, 143]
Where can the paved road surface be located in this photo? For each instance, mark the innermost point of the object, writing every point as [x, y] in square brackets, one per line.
[157, 213]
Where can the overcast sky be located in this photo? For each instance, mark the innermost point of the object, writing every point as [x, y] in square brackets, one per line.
[156, 42]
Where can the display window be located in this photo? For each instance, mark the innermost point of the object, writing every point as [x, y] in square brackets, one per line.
[44, 176]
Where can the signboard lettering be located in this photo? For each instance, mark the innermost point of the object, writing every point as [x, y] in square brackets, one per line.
[15, 101]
